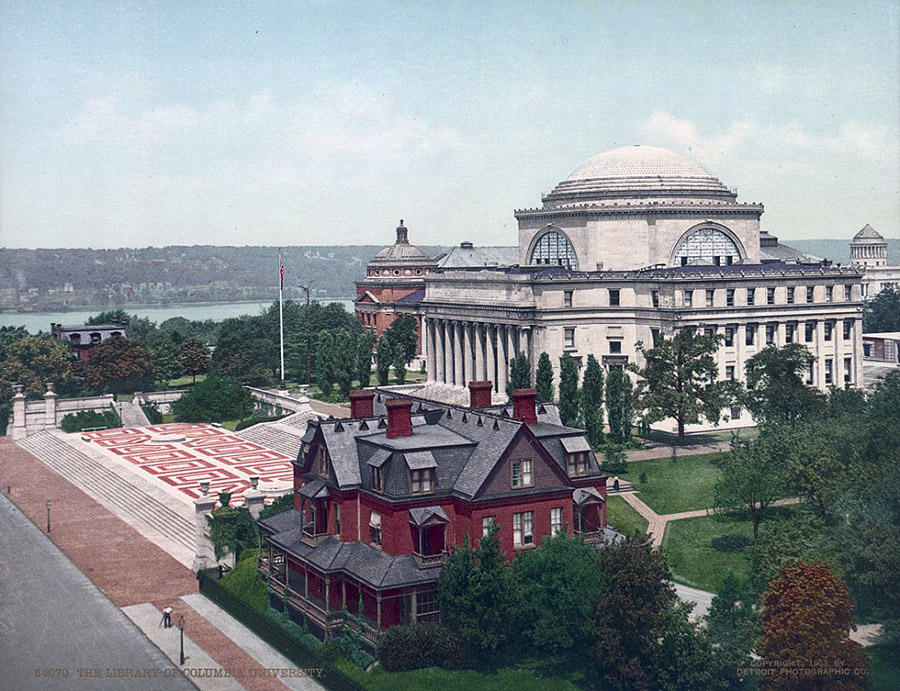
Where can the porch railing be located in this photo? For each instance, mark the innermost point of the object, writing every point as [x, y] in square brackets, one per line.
[427, 561]
[592, 537]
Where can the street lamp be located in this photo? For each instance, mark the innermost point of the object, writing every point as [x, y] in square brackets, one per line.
[48, 516]
[181, 628]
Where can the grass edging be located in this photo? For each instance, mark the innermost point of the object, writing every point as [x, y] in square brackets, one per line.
[286, 644]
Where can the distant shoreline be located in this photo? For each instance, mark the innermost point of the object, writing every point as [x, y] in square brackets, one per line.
[150, 305]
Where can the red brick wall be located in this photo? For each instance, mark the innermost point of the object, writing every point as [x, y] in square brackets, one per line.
[503, 517]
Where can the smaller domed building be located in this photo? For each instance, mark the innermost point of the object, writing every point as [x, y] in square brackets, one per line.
[394, 285]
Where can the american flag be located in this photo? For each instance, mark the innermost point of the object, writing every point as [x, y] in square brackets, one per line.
[282, 276]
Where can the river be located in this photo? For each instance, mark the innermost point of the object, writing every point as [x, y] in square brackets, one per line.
[195, 311]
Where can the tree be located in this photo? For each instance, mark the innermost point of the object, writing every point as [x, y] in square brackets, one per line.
[619, 405]
[402, 333]
[882, 313]
[544, 379]
[568, 390]
[519, 374]
[399, 361]
[362, 366]
[383, 360]
[343, 361]
[775, 391]
[213, 400]
[679, 380]
[119, 365]
[166, 359]
[592, 401]
[323, 369]
[815, 469]
[558, 585]
[231, 529]
[136, 328]
[194, 358]
[476, 596]
[753, 476]
[733, 622]
[33, 362]
[807, 617]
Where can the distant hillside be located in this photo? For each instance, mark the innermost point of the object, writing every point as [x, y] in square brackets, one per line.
[51, 278]
[839, 250]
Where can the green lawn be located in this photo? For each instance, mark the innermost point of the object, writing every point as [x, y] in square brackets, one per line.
[884, 665]
[625, 519]
[519, 678]
[684, 485]
[186, 380]
[695, 562]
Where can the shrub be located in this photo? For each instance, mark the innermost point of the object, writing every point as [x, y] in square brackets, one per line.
[255, 420]
[244, 583]
[151, 410]
[415, 646]
[730, 543]
[213, 400]
[75, 422]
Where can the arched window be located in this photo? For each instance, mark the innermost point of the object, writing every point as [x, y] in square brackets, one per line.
[554, 248]
[707, 246]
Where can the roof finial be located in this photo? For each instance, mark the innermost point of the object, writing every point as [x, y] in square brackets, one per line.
[402, 237]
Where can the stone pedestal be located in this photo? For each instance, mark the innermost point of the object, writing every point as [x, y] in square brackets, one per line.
[253, 499]
[18, 400]
[50, 408]
[204, 555]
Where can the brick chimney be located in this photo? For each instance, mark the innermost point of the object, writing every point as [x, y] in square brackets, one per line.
[523, 405]
[361, 403]
[480, 394]
[399, 412]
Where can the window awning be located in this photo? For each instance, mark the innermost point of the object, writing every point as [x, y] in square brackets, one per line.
[418, 460]
[379, 458]
[427, 514]
[587, 495]
[314, 489]
[575, 444]
[375, 520]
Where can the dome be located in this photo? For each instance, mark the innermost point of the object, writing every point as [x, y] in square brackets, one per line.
[635, 172]
[401, 251]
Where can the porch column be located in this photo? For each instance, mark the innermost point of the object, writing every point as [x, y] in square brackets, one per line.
[479, 353]
[458, 354]
[413, 606]
[448, 352]
[378, 611]
[305, 582]
[343, 593]
[327, 580]
[489, 333]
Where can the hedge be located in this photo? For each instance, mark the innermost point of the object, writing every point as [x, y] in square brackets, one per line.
[416, 646]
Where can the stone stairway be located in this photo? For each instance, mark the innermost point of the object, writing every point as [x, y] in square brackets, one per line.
[132, 415]
[274, 436]
[127, 500]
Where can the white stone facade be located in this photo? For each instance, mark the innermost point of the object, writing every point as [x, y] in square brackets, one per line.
[476, 321]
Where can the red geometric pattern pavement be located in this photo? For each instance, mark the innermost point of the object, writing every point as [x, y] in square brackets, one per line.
[207, 453]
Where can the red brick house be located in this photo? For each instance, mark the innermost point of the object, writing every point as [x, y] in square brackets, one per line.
[82, 338]
[381, 497]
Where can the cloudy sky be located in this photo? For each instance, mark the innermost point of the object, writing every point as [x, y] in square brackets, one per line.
[324, 122]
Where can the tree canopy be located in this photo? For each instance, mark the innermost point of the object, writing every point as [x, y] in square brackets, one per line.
[882, 313]
[592, 401]
[544, 379]
[119, 365]
[213, 400]
[775, 389]
[568, 390]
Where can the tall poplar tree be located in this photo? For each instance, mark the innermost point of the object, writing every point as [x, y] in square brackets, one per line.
[568, 390]
[592, 401]
[619, 405]
[519, 373]
[544, 378]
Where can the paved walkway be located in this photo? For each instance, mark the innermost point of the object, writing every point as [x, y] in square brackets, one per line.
[333, 409]
[58, 630]
[128, 567]
[656, 449]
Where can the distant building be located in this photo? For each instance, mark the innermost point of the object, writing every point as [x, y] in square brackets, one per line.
[882, 347]
[868, 250]
[381, 498]
[83, 338]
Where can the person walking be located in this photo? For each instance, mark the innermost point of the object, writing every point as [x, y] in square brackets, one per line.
[616, 484]
[167, 617]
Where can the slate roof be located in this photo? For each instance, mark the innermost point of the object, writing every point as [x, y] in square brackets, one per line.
[463, 445]
[470, 257]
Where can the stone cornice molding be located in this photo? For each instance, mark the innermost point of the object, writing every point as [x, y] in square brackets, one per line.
[642, 209]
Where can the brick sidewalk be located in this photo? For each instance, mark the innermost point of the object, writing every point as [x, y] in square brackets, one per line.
[126, 566]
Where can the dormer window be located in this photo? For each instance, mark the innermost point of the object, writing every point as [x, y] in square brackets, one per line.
[320, 462]
[577, 453]
[522, 475]
[421, 481]
[375, 528]
[577, 464]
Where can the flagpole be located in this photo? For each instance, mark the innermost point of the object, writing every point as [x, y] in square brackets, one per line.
[281, 310]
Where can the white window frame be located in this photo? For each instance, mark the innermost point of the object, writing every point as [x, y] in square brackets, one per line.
[522, 473]
[523, 528]
[487, 522]
[556, 520]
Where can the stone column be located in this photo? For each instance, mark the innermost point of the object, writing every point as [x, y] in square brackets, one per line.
[856, 335]
[740, 347]
[19, 429]
[489, 338]
[502, 360]
[820, 353]
[468, 361]
[430, 364]
[254, 498]
[439, 351]
[204, 555]
[458, 355]
[50, 407]
[479, 352]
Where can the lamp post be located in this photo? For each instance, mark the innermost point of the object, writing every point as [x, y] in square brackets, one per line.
[181, 628]
[48, 516]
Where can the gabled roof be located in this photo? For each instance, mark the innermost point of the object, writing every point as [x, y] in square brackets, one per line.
[427, 514]
[867, 232]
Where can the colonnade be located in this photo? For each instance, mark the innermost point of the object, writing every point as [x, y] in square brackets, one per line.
[458, 352]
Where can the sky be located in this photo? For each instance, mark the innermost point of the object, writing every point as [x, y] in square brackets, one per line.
[134, 124]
